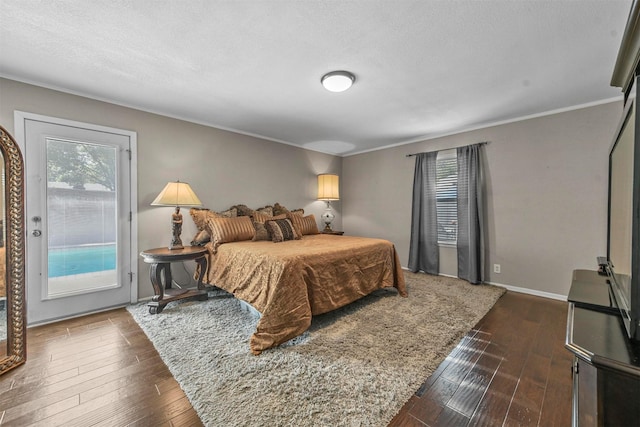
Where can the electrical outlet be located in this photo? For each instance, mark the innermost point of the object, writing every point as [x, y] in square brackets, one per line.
[496, 268]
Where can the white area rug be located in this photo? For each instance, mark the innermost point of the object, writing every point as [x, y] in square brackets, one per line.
[356, 366]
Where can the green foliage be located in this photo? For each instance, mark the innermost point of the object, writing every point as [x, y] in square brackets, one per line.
[79, 164]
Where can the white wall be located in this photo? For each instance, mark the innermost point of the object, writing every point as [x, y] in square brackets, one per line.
[223, 168]
[546, 196]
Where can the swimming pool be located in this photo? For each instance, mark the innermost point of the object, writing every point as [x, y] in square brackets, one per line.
[81, 259]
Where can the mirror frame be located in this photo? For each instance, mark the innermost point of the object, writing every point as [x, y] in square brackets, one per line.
[15, 252]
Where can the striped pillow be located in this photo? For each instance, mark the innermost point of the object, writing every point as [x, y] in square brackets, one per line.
[224, 230]
[200, 216]
[304, 224]
[282, 230]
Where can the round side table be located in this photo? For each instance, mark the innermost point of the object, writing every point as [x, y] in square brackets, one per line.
[160, 274]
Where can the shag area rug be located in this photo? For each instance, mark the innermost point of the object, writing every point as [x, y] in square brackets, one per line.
[355, 366]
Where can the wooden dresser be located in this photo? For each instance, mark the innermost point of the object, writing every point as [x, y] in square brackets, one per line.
[606, 366]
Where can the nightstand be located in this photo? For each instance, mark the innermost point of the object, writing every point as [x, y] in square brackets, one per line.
[334, 232]
[160, 273]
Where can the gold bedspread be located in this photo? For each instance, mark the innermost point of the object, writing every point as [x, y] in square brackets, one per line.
[289, 282]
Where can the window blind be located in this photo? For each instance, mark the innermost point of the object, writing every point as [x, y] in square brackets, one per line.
[446, 197]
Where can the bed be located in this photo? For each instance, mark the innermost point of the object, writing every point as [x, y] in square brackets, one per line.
[304, 274]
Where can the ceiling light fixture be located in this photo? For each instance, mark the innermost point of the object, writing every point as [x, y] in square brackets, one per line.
[338, 81]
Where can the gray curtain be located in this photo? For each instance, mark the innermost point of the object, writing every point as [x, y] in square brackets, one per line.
[423, 250]
[470, 214]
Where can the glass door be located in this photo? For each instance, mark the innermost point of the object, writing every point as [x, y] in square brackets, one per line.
[78, 212]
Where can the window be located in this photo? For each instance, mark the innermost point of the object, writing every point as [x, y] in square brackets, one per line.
[446, 196]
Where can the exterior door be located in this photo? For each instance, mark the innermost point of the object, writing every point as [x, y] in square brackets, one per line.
[79, 207]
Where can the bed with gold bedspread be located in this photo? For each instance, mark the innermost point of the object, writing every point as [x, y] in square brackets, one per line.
[291, 281]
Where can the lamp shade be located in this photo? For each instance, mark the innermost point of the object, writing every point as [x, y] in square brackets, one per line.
[177, 194]
[328, 187]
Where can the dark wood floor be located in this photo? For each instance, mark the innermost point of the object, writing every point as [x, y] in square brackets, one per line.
[512, 369]
[98, 370]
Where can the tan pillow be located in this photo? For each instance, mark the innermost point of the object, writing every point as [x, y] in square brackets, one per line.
[282, 230]
[200, 216]
[259, 218]
[229, 213]
[261, 232]
[201, 238]
[242, 210]
[224, 230]
[278, 209]
[304, 224]
[262, 218]
[267, 210]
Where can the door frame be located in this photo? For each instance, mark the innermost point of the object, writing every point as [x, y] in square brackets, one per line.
[20, 118]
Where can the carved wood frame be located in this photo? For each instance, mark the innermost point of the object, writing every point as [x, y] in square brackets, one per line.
[15, 253]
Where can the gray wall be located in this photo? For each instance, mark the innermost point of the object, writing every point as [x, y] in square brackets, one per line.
[223, 168]
[547, 180]
[546, 187]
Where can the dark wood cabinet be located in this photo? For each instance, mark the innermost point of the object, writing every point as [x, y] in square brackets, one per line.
[606, 367]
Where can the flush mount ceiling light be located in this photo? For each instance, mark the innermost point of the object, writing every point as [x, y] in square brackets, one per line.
[338, 81]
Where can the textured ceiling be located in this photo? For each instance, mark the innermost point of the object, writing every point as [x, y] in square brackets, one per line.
[423, 68]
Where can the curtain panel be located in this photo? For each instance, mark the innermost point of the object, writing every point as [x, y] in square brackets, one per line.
[470, 245]
[423, 249]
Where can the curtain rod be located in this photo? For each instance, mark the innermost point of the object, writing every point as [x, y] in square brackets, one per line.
[444, 149]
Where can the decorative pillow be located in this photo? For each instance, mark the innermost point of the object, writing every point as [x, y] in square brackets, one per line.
[242, 210]
[201, 238]
[281, 230]
[278, 209]
[261, 232]
[304, 224]
[200, 216]
[224, 230]
[262, 218]
[229, 213]
[267, 210]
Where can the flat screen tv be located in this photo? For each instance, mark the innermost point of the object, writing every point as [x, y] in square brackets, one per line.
[623, 237]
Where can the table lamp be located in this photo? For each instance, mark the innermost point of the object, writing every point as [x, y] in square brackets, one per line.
[176, 194]
[328, 190]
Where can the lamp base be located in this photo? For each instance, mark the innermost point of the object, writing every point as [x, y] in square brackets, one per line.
[328, 217]
[176, 228]
[327, 228]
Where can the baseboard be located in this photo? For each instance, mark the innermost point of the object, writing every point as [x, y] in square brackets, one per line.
[533, 292]
[518, 289]
[86, 313]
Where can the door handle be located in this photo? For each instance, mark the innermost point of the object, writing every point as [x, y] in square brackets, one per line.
[37, 233]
